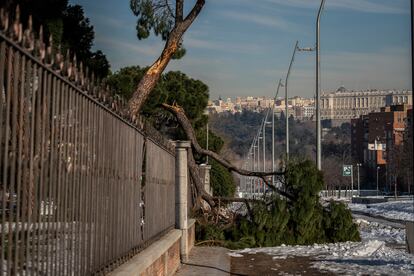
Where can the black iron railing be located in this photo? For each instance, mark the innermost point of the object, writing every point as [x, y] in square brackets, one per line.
[82, 186]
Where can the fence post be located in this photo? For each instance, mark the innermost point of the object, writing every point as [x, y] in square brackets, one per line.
[181, 184]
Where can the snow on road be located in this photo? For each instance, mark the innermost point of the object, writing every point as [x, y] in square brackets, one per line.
[397, 210]
[369, 257]
[372, 230]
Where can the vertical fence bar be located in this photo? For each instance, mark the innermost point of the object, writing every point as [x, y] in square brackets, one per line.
[11, 160]
[31, 188]
[82, 192]
[74, 197]
[2, 129]
[19, 222]
[13, 200]
[42, 239]
[61, 177]
[25, 181]
[101, 238]
[95, 183]
[66, 179]
[55, 172]
[49, 109]
[38, 158]
[72, 184]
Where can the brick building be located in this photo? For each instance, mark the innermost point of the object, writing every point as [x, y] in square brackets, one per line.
[377, 141]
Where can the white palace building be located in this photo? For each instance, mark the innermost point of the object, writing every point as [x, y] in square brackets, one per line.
[343, 105]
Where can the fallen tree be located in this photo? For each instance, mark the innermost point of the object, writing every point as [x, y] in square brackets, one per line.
[272, 221]
[294, 214]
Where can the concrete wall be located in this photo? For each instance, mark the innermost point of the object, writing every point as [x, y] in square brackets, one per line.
[161, 258]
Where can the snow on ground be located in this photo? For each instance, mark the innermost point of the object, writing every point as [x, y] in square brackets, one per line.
[370, 257]
[399, 210]
[372, 230]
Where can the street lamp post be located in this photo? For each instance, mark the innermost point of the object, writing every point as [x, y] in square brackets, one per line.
[395, 186]
[359, 188]
[286, 102]
[206, 113]
[207, 142]
[286, 94]
[264, 140]
[377, 180]
[318, 96]
[273, 130]
[253, 166]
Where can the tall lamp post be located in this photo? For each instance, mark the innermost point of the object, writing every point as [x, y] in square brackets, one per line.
[264, 140]
[261, 187]
[377, 180]
[273, 130]
[286, 94]
[286, 102]
[359, 188]
[206, 113]
[318, 96]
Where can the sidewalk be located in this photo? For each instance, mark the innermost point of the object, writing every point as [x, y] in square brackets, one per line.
[212, 261]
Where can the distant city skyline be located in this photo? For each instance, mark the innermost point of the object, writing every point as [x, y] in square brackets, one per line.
[242, 47]
[325, 92]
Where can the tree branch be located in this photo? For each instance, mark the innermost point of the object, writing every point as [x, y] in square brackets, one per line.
[198, 6]
[189, 131]
[169, 9]
[179, 10]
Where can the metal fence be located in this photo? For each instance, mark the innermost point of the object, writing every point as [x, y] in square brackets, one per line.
[82, 188]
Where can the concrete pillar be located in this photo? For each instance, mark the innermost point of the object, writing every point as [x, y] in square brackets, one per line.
[181, 197]
[205, 175]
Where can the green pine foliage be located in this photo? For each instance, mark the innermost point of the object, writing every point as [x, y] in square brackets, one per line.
[338, 223]
[303, 221]
[221, 180]
[304, 182]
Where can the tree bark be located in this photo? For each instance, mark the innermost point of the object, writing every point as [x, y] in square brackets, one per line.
[151, 77]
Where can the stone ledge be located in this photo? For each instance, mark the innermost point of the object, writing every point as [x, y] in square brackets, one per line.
[145, 259]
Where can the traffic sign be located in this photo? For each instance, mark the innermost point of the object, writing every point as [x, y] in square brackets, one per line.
[347, 170]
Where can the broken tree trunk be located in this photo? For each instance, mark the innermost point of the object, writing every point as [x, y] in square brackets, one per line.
[151, 77]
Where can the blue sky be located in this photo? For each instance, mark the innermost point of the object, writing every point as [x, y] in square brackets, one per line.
[243, 47]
